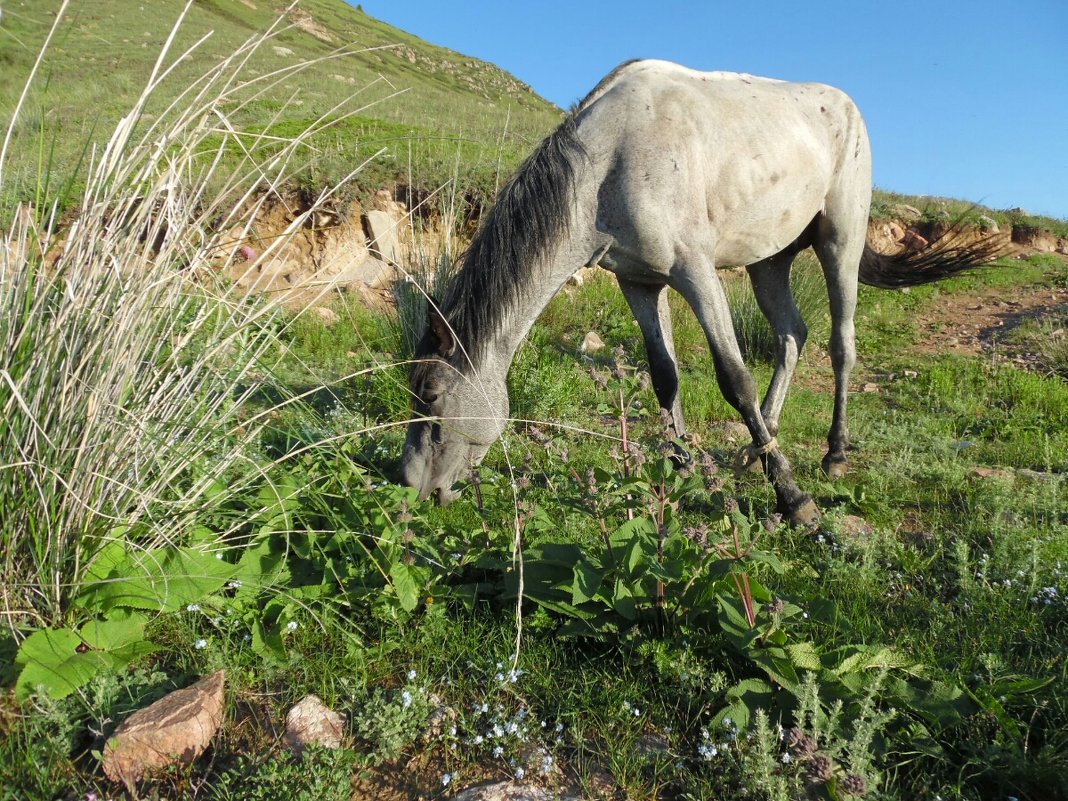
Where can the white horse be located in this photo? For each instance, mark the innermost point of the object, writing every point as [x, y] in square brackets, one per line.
[661, 175]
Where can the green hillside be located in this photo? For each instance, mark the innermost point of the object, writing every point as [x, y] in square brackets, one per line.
[431, 108]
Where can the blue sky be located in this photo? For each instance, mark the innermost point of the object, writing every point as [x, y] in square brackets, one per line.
[962, 99]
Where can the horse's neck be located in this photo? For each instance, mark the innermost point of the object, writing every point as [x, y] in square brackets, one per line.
[544, 281]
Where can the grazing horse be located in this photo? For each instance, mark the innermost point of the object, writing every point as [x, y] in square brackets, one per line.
[661, 175]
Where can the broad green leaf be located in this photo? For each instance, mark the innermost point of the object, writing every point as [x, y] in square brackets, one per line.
[62, 660]
[164, 579]
[804, 655]
[587, 581]
[50, 659]
[406, 585]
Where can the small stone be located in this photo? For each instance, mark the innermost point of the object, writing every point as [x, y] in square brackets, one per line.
[175, 729]
[327, 315]
[853, 526]
[591, 343]
[438, 718]
[990, 472]
[311, 722]
[870, 387]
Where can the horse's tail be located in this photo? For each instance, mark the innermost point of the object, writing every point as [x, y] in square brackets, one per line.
[946, 255]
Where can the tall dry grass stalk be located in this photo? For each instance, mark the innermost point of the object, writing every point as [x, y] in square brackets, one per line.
[125, 362]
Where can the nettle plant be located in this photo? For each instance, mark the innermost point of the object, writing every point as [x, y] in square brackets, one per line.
[679, 558]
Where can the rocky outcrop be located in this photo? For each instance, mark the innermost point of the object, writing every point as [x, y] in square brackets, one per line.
[355, 248]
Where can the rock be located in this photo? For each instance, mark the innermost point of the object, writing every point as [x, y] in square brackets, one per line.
[988, 224]
[439, 717]
[913, 241]
[176, 728]
[327, 315]
[907, 212]
[510, 791]
[282, 51]
[853, 526]
[734, 431]
[311, 722]
[870, 387]
[383, 235]
[896, 232]
[990, 472]
[370, 272]
[591, 343]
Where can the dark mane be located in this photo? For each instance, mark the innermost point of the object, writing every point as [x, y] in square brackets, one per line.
[530, 215]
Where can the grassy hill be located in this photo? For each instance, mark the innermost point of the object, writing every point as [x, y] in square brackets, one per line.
[437, 113]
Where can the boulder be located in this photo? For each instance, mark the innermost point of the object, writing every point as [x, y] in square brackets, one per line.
[175, 729]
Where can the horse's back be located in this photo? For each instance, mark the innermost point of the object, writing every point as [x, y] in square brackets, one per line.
[747, 161]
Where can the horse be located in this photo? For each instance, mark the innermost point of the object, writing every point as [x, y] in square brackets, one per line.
[660, 175]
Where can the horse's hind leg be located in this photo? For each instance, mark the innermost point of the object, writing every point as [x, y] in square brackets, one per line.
[839, 245]
[771, 286]
[649, 304]
[701, 287]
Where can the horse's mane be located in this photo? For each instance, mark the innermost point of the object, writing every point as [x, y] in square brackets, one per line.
[531, 214]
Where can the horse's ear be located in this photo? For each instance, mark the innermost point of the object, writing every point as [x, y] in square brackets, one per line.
[439, 326]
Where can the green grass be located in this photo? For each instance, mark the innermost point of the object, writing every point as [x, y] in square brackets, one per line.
[939, 628]
[430, 108]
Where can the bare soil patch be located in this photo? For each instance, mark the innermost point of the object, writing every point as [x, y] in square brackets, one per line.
[981, 322]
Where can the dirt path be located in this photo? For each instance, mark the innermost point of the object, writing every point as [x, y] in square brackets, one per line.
[981, 322]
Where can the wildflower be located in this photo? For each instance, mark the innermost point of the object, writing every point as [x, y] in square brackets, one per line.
[411, 677]
[446, 779]
[235, 584]
[406, 699]
[200, 644]
[820, 769]
[786, 758]
[498, 751]
[478, 739]
[546, 764]
[193, 608]
[707, 751]
[291, 625]
[854, 784]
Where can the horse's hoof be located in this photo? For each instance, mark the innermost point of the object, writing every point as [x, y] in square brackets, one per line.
[834, 468]
[805, 515]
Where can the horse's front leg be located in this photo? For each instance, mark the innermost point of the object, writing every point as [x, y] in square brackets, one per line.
[771, 287]
[649, 305]
[699, 284]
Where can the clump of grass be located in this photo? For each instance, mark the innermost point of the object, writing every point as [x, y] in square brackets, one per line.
[755, 336]
[125, 362]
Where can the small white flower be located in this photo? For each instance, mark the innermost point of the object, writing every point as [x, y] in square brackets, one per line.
[446, 779]
[411, 677]
[406, 699]
[200, 644]
[498, 751]
[478, 739]
[520, 773]
[787, 759]
[234, 585]
[292, 625]
[193, 608]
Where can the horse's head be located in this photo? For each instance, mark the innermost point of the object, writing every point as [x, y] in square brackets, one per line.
[458, 415]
